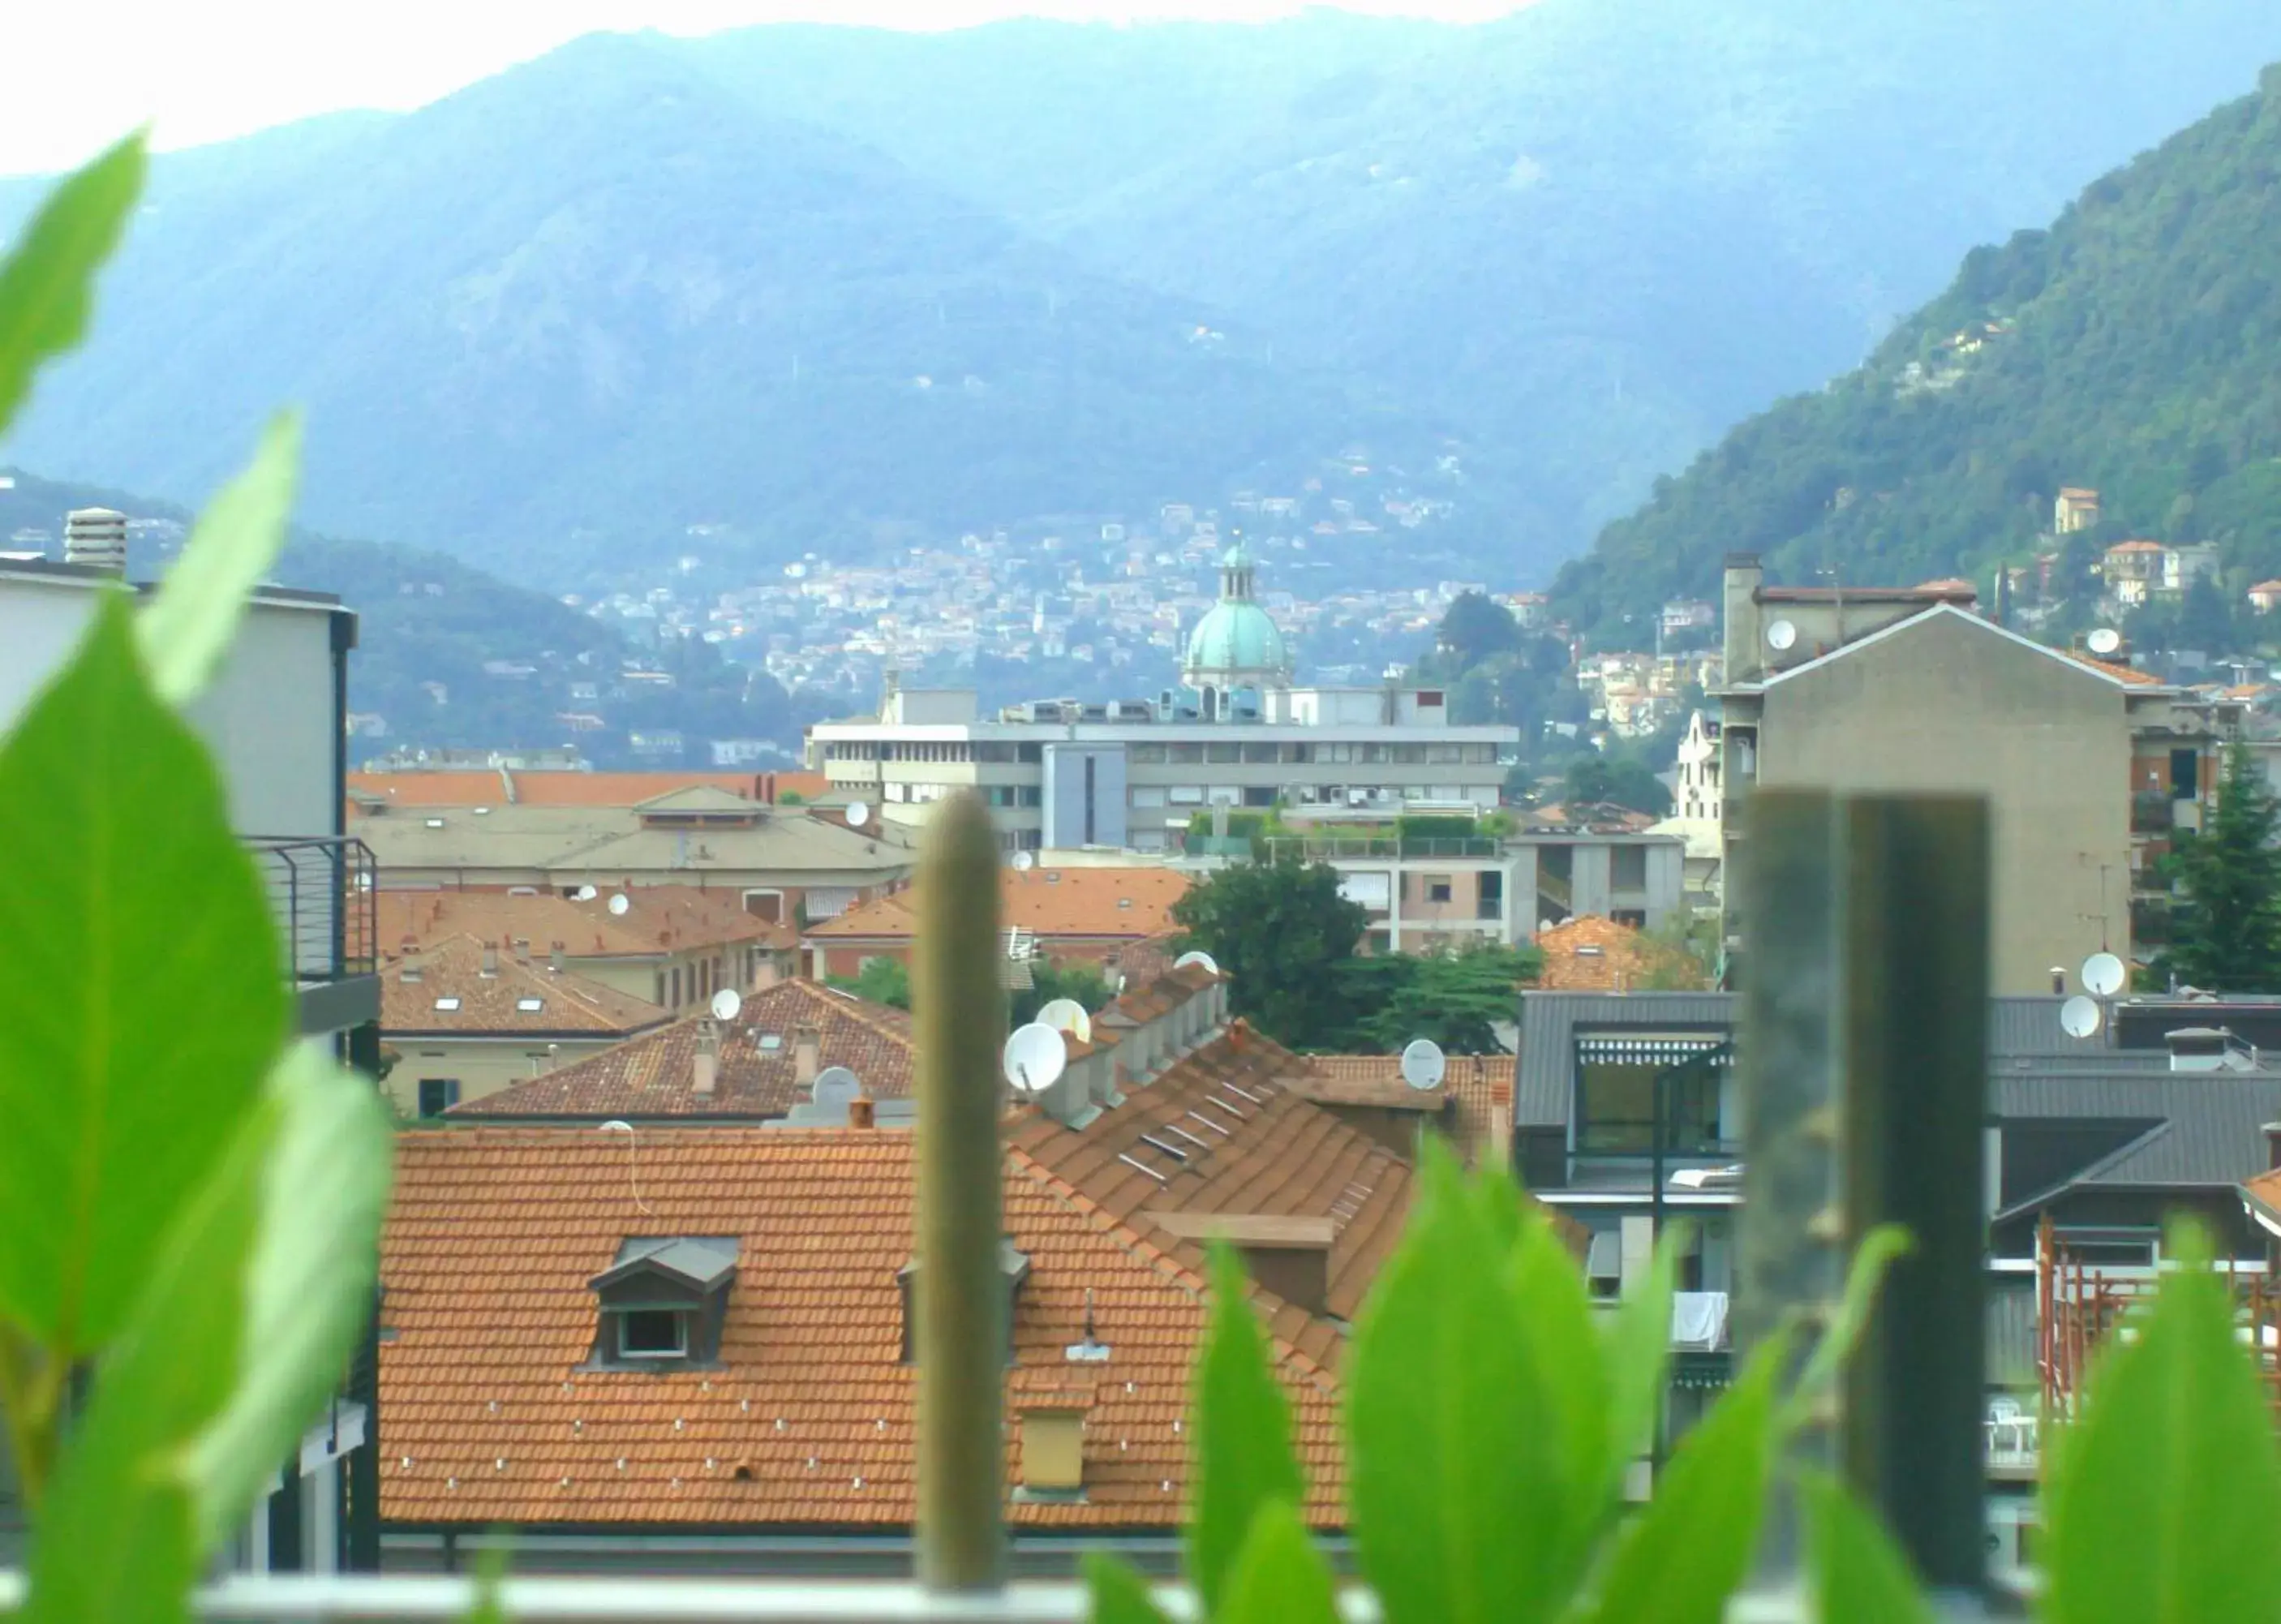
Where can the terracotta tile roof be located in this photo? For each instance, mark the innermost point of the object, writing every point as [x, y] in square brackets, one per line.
[650, 1077]
[2265, 1190]
[509, 787]
[2267, 586]
[1605, 816]
[1936, 591]
[1139, 962]
[1364, 1080]
[1591, 954]
[1086, 902]
[1462, 1102]
[1250, 1144]
[519, 997]
[2130, 673]
[2135, 547]
[808, 1422]
[659, 920]
[1949, 586]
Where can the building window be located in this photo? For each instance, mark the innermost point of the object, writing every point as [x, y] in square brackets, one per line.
[652, 1334]
[1489, 896]
[1438, 887]
[1145, 755]
[1184, 754]
[2110, 1248]
[2186, 775]
[1627, 868]
[1258, 796]
[439, 1094]
[1222, 755]
[1260, 755]
[1617, 1085]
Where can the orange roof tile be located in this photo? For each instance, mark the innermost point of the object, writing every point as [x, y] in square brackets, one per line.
[650, 1076]
[659, 920]
[513, 786]
[2132, 675]
[1049, 903]
[807, 1421]
[2140, 545]
[515, 997]
[1592, 954]
[1469, 1083]
[2265, 1190]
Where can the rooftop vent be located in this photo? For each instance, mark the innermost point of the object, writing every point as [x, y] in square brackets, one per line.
[95, 538]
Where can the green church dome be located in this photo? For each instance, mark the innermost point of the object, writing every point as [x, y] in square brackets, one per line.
[1237, 636]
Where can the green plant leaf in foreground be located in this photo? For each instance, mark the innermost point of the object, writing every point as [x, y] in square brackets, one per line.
[1118, 1594]
[2162, 1506]
[46, 282]
[309, 1291]
[188, 625]
[1681, 1560]
[155, 1003]
[1639, 1354]
[1279, 1577]
[1880, 1248]
[1463, 1507]
[1243, 1458]
[1858, 1574]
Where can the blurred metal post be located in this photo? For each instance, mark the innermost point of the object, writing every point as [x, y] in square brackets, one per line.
[1793, 1262]
[961, 1346]
[1914, 923]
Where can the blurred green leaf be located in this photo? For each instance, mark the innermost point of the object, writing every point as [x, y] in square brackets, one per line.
[116, 1538]
[188, 626]
[1118, 1595]
[1639, 1354]
[140, 927]
[1567, 1357]
[1280, 1576]
[1463, 1505]
[309, 1289]
[2163, 1507]
[1243, 1456]
[491, 1574]
[46, 283]
[1857, 1573]
[1880, 1248]
[1687, 1552]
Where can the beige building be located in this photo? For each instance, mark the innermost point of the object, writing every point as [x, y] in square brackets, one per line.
[782, 861]
[464, 1019]
[1936, 699]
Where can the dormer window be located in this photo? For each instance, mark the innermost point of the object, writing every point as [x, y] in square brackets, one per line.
[1013, 1268]
[659, 1306]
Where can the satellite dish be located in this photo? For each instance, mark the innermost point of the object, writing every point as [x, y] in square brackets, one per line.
[1423, 1065]
[1034, 1057]
[1067, 1015]
[2079, 1016]
[2104, 641]
[2102, 975]
[857, 811]
[835, 1088]
[1781, 636]
[726, 1002]
[1197, 957]
[587, 894]
[1025, 860]
[622, 905]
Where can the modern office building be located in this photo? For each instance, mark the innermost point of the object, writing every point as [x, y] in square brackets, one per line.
[1237, 732]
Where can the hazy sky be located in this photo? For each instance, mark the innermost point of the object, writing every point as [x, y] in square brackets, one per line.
[76, 74]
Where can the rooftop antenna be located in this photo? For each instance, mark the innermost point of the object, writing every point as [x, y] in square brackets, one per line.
[2079, 1016]
[1423, 1065]
[2102, 974]
[587, 894]
[1023, 861]
[726, 1004]
[1197, 957]
[1781, 636]
[616, 1125]
[1034, 1058]
[1066, 1015]
[2103, 640]
[858, 813]
[835, 1088]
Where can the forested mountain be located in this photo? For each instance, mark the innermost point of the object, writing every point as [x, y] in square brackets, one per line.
[828, 290]
[573, 310]
[506, 663]
[2135, 346]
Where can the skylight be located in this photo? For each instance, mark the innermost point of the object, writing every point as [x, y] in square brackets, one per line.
[447, 1003]
[530, 1006]
[771, 1041]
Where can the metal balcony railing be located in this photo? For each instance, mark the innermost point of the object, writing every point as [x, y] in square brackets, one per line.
[321, 891]
[1312, 847]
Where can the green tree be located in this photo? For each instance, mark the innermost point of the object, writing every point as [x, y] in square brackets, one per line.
[1616, 781]
[1475, 630]
[882, 981]
[1082, 982]
[2226, 938]
[1456, 999]
[1281, 930]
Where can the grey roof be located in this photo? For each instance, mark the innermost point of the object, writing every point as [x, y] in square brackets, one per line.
[702, 1260]
[2201, 1128]
[608, 839]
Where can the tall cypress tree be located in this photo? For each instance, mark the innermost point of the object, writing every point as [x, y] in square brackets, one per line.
[2227, 936]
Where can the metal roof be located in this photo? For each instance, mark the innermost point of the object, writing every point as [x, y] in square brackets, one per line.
[2202, 1128]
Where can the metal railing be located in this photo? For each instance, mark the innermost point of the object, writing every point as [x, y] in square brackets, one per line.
[1386, 846]
[321, 889]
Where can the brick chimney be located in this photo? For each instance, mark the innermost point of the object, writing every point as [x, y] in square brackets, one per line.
[705, 1069]
[522, 949]
[1052, 1434]
[491, 958]
[408, 953]
[1499, 1147]
[807, 1055]
[861, 1113]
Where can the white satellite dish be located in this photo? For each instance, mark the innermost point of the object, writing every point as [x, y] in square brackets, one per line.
[1023, 861]
[857, 812]
[1423, 1065]
[2079, 1016]
[2103, 640]
[587, 894]
[2102, 975]
[835, 1088]
[622, 904]
[1196, 957]
[726, 1003]
[1781, 636]
[1034, 1057]
[1067, 1015]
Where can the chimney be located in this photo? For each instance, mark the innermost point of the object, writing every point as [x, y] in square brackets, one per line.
[491, 958]
[1742, 646]
[1500, 1142]
[807, 1056]
[408, 952]
[862, 1112]
[2197, 1048]
[522, 949]
[557, 958]
[705, 1070]
[2059, 981]
[1053, 1442]
[96, 538]
[764, 973]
